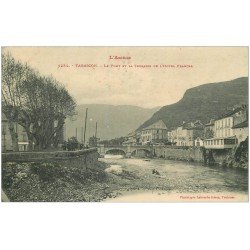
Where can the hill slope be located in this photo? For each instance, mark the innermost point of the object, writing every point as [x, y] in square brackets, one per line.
[113, 121]
[203, 103]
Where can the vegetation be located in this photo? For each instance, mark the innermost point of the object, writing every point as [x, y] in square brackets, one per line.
[52, 181]
[93, 141]
[209, 133]
[113, 142]
[203, 103]
[238, 157]
[40, 104]
[72, 144]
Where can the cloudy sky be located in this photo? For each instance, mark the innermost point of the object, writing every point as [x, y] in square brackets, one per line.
[129, 85]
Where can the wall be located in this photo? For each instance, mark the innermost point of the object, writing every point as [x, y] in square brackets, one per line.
[187, 153]
[87, 157]
[179, 153]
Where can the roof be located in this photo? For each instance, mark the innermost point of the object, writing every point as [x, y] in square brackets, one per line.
[241, 125]
[211, 123]
[192, 125]
[154, 129]
[219, 138]
[195, 127]
[230, 113]
[151, 126]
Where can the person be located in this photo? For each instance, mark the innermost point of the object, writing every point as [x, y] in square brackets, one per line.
[155, 172]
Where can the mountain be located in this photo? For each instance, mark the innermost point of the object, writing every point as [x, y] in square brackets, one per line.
[203, 103]
[113, 121]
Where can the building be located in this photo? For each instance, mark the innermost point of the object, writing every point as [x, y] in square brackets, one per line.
[241, 131]
[153, 133]
[6, 136]
[172, 136]
[130, 139]
[181, 135]
[194, 131]
[209, 129]
[224, 132]
[188, 132]
[224, 125]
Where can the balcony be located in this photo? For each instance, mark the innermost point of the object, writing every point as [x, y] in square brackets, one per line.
[220, 143]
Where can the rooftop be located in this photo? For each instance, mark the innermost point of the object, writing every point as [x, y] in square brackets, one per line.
[211, 123]
[232, 112]
[241, 125]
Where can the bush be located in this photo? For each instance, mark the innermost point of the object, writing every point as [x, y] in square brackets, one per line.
[47, 171]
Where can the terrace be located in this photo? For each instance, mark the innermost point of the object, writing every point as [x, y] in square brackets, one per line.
[220, 143]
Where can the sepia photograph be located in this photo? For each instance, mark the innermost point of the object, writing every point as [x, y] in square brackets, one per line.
[124, 124]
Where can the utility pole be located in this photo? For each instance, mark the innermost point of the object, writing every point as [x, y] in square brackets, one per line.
[76, 133]
[96, 134]
[95, 129]
[85, 126]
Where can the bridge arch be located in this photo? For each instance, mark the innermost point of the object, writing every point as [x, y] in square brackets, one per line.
[141, 152]
[115, 151]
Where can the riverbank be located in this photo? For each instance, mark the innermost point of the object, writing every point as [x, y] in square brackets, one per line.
[112, 178]
[53, 182]
[236, 157]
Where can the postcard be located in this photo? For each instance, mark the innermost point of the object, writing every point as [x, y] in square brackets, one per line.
[124, 124]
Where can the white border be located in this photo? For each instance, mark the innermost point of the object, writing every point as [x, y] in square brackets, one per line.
[124, 226]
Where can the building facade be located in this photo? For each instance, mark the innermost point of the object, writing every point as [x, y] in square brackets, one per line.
[224, 125]
[188, 132]
[226, 129]
[155, 132]
[6, 136]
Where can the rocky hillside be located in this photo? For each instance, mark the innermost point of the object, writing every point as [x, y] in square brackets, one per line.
[203, 103]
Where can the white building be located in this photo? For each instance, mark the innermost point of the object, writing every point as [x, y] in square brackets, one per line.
[224, 129]
[155, 132]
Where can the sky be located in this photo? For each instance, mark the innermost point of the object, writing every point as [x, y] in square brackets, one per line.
[147, 77]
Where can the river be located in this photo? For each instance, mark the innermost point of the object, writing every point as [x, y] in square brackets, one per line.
[179, 181]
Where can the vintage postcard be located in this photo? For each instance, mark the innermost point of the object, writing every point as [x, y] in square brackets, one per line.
[124, 124]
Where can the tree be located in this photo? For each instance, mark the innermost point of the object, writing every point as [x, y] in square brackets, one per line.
[72, 144]
[93, 141]
[209, 133]
[13, 74]
[40, 104]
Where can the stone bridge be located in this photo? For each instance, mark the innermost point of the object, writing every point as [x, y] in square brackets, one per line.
[128, 150]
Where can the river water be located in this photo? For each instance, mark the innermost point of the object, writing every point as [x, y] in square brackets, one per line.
[176, 178]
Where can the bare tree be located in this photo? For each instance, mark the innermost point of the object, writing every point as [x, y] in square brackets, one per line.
[13, 74]
[39, 104]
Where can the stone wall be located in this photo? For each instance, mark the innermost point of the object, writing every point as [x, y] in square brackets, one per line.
[179, 153]
[86, 158]
[188, 153]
